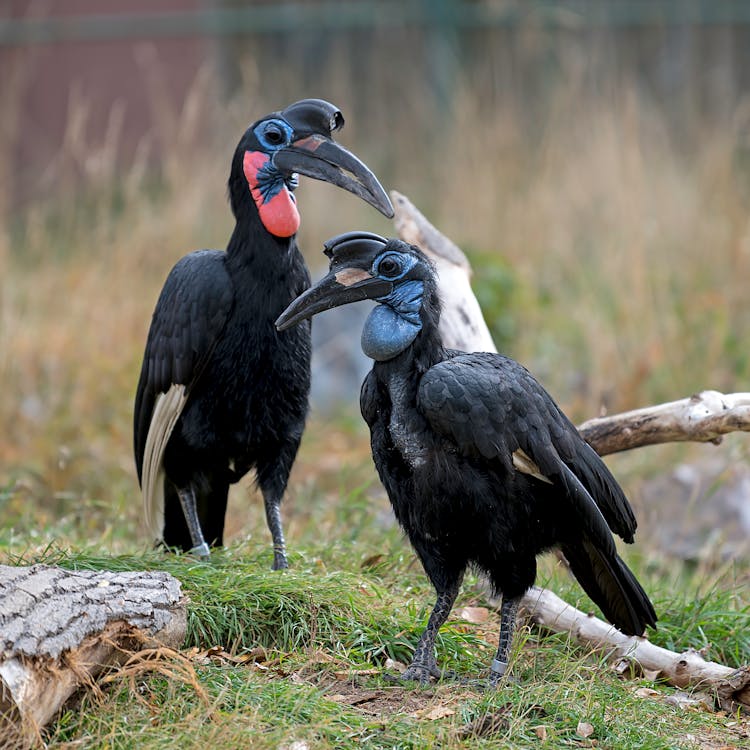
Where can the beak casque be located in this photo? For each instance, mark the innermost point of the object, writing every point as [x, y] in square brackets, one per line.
[321, 158]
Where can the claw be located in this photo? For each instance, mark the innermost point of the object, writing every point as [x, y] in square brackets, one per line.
[496, 680]
[202, 551]
[417, 672]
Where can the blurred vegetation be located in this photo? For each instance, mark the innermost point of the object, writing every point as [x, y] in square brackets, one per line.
[606, 215]
[611, 247]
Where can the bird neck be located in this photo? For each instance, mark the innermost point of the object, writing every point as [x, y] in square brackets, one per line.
[262, 264]
[259, 191]
[403, 329]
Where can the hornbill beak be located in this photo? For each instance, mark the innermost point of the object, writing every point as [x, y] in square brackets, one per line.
[345, 285]
[321, 158]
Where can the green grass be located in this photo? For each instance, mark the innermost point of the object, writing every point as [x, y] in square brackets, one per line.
[328, 631]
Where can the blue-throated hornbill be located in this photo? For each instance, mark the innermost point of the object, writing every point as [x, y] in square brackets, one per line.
[221, 391]
[481, 466]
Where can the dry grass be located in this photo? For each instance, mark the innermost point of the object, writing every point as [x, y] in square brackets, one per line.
[626, 255]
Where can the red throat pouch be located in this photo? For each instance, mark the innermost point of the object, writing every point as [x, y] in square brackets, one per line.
[279, 214]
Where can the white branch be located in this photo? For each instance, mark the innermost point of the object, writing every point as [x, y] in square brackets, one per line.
[703, 417]
[688, 669]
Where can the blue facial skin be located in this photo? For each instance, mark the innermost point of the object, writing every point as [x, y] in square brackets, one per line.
[395, 322]
[274, 135]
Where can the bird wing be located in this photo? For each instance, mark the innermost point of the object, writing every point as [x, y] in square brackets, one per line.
[492, 407]
[190, 314]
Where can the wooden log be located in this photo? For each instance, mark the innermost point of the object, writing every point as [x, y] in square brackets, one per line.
[462, 324]
[59, 629]
[686, 670]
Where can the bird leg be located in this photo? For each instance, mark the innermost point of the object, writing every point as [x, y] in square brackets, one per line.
[273, 518]
[190, 511]
[424, 665]
[499, 664]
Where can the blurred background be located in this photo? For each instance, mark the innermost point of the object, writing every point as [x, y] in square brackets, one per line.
[592, 157]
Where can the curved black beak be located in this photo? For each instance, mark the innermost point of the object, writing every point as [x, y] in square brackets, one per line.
[336, 289]
[322, 158]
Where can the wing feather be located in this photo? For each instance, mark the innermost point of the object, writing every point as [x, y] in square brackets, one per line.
[491, 406]
[188, 320]
[167, 409]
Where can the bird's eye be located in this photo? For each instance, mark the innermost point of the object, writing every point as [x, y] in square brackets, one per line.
[389, 267]
[274, 135]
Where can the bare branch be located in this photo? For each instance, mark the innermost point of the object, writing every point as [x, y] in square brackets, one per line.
[688, 669]
[704, 417]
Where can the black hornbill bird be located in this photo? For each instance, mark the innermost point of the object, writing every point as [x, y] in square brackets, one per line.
[481, 466]
[221, 391]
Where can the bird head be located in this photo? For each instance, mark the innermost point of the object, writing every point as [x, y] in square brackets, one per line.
[366, 266]
[296, 140]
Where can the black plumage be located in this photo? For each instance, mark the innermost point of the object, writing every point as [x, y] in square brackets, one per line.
[481, 466]
[221, 391]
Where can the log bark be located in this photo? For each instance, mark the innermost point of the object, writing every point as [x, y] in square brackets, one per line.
[462, 324]
[689, 669]
[59, 629]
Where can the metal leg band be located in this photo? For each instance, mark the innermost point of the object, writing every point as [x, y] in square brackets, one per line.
[498, 667]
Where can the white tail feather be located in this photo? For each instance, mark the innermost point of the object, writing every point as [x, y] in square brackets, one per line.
[167, 409]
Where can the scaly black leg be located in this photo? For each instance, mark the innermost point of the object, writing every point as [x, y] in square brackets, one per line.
[190, 511]
[273, 518]
[424, 665]
[499, 665]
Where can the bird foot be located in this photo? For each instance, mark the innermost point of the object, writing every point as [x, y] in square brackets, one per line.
[417, 672]
[499, 676]
[279, 561]
[201, 551]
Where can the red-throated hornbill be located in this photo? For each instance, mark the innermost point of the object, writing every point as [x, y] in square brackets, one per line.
[221, 391]
[480, 465]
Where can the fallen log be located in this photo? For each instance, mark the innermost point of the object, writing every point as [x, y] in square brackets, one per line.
[731, 687]
[59, 629]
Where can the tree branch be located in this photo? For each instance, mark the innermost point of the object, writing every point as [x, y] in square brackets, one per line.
[689, 669]
[704, 417]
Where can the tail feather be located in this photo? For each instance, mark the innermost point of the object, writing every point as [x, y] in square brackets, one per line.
[612, 586]
[167, 409]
